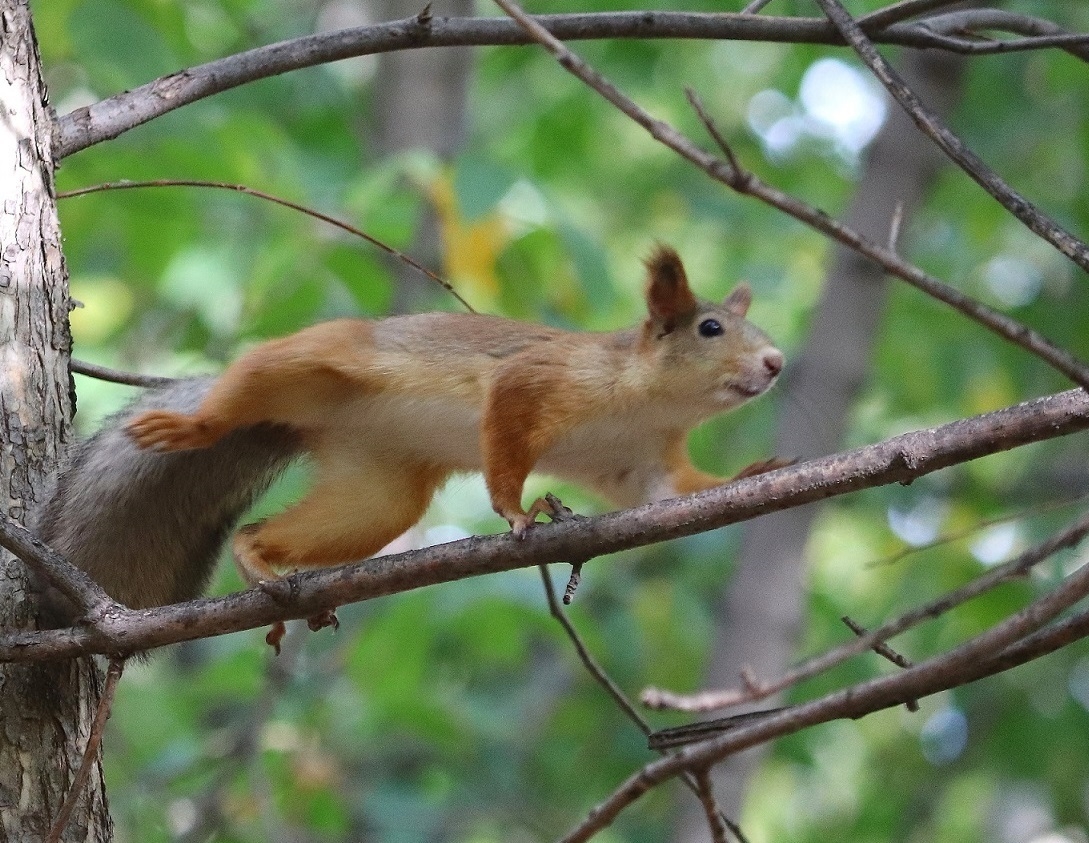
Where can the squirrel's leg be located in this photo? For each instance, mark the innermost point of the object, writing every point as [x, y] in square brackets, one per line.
[685, 478]
[356, 506]
[241, 396]
[516, 429]
[354, 509]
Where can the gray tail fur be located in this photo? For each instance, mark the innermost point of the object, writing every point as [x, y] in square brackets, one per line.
[148, 526]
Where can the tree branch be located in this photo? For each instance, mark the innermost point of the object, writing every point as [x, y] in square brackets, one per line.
[900, 459]
[733, 176]
[75, 584]
[968, 662]
[115, 115]
[277, 200]
[755, 690]
[105, 373]
[934, 127]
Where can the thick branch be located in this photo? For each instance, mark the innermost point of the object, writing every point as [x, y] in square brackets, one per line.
[900, 459]
[105, 120]
[75, 584]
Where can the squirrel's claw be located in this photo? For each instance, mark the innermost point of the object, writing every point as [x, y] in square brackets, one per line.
[322, 619]
[549, 505]
[163, 430]
[275, 635]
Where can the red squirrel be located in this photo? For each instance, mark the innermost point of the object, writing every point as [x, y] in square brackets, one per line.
[387, 411]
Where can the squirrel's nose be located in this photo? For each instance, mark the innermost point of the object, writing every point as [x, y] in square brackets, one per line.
[773, 361]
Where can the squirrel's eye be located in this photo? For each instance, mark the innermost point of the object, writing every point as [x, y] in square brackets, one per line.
[710, 328]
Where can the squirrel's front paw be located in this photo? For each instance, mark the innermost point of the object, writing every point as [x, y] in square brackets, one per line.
[163, 430]
[520, 522]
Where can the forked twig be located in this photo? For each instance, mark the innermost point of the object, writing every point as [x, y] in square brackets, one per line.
[598, 673]
[886, 652]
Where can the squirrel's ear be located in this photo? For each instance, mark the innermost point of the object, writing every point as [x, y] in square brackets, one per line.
[739, 300]
[668, 294]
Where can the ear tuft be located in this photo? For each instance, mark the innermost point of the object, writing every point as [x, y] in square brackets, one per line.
[739, 300]
[668, 294]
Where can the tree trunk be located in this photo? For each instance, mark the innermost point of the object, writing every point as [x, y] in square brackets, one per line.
[760, 613]
[45, 710]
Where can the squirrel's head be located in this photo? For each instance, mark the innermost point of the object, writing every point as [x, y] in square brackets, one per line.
[704, 351]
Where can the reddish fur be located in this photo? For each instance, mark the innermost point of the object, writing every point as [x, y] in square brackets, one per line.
[668, 294]
[522, 415]
[530, 385]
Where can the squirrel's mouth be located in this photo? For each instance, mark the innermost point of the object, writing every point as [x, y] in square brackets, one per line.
[734, 394]
[744, 390]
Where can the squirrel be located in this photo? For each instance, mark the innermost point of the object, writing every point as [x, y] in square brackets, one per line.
[387, 410]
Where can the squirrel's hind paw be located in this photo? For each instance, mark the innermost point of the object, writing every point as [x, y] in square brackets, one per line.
[163, 430]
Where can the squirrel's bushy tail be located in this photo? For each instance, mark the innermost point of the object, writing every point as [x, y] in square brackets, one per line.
[148, 526]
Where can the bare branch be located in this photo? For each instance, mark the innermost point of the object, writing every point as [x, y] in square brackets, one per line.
[75, 584]
[886, 652]
[278, 200]
[900, 459]
[111, 117]
[706, 792]
[747, 183]
[754, 690]
[1038, 32]
[904, 10]
[755, 7]
[968, 662]
[588, 661]
[611, 688]
[949, 143]
[104, 373]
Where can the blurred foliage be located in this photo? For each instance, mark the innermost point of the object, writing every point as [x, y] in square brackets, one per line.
[461, 713]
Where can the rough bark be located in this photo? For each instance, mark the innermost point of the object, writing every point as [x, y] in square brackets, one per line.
[760, 612]
[45, 709]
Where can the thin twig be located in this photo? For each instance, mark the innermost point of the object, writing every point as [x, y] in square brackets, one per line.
[886, 652]
[1001, 20]
[755, 7]
[980, 656]
[588, 661]
[706, 792]
[901, 11]
[957, 535]
[754, 691]
[287, 203]
[934, 127]
[746, 183]
[90, 751]
[598, 673]
[104, 373]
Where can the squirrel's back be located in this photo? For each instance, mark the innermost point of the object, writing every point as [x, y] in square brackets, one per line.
[147, 526]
